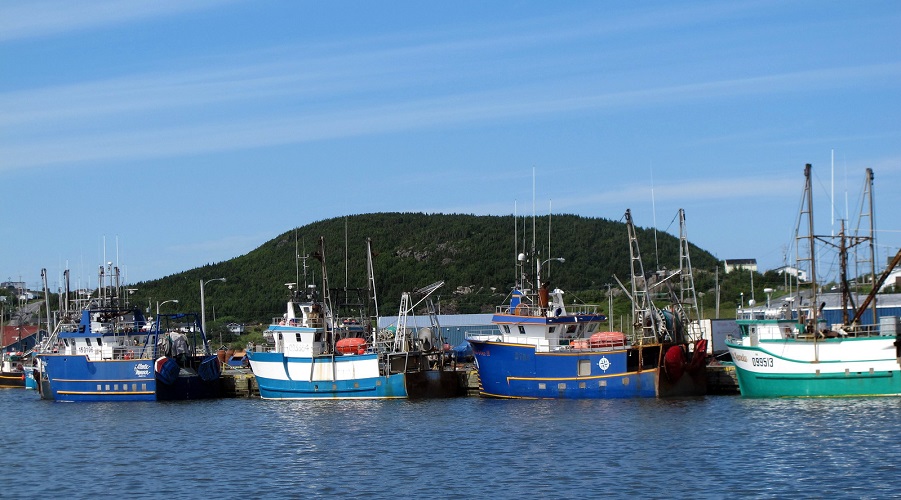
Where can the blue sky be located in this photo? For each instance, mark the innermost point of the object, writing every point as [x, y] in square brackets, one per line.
[167, 135]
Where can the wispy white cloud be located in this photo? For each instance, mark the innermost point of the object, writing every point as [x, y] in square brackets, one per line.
[41, 18]
[245, 127]
[337, 89]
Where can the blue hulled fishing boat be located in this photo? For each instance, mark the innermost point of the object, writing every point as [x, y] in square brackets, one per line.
[106, 350]
[544, 348]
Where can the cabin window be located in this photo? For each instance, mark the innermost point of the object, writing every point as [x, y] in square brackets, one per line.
[279, 337]
[584, 367]
[522, 329]
[571, 329]
[99, 341]
[552, 329]
[66, 342]
[506, 328]
[297, 336]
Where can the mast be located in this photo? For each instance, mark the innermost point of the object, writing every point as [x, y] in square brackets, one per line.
[65, 307]
[297, 262]
[100, 284]
[532, 255]
[811, 241]
[868, 196]
[515, 247]
[371, 271]
[687, 285]
[549, 210]
[328, 314]
[46, 302]
[346, 257]
[843, 269]
[643, 314]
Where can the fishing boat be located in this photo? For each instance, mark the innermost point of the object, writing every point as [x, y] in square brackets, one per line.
[12, 370]
[13, 362]
[546, 349]
[789, 350]
[106, 350]
[326, 346]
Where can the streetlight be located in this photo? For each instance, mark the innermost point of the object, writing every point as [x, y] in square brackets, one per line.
[158, 304]
[202, 308]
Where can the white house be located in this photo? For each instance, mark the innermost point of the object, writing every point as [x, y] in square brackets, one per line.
[735, 264]
[800, 274]
[894, 279]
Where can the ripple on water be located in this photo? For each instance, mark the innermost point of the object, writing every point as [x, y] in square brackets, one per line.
[703, 447]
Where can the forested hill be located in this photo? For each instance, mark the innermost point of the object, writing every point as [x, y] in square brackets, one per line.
[474, 255]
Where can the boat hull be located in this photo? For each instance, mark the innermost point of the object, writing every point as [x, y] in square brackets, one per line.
[75, 378]
[323, 377]
[509, 370]
[846, 367]
[12, 380]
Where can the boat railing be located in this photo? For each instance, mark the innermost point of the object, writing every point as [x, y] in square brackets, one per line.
[524, 309]
[134, 352]
[309, 322]
[593, 345]
[485, 335]
[869, 330]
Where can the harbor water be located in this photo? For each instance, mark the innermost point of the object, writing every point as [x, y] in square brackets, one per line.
[710, 447]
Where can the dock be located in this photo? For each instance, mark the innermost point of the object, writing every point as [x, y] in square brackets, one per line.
[239, 383]
[721, 379]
